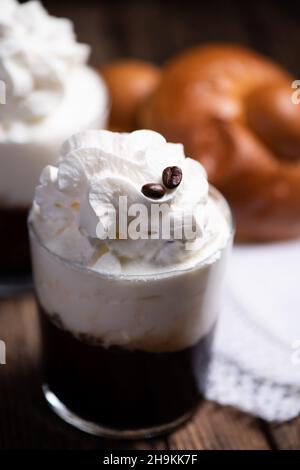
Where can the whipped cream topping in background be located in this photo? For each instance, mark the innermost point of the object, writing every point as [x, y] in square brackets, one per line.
[37, 55]
[94, 169]
[51, 93]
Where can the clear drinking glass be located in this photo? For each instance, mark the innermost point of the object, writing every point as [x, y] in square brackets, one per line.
[123, 355]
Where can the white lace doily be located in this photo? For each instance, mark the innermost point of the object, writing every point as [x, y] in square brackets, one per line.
[256, 354]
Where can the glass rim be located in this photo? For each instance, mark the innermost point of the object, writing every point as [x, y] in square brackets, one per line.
[75, 265]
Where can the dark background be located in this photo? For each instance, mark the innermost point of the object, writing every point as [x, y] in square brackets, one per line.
[155, 30]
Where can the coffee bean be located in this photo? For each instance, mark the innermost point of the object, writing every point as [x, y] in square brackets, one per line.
[172, 176]
[153, 190]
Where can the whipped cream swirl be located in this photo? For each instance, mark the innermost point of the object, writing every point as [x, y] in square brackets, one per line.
[37, 55]
[96, 168]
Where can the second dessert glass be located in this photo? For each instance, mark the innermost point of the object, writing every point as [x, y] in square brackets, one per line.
[50, 94]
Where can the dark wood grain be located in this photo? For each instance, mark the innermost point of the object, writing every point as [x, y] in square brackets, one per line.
[286, 436]
[215, 427]
[156, 30]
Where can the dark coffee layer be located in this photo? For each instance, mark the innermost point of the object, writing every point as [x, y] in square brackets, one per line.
[119, 388]
[14, 243]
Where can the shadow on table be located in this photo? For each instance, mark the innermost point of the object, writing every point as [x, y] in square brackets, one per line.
[28, 423]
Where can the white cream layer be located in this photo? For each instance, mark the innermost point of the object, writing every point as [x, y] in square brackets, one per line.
[153, 295]
[25, 151]
[38, 54]
[155, 313]
[95, 169]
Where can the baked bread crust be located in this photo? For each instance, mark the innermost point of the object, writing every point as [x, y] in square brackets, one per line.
[232, 110]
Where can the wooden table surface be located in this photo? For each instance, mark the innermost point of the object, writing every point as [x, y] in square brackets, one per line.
[154, 31]
[26, 422]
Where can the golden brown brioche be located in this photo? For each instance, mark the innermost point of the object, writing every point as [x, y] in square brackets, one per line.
[129, 83]
[232, 110]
